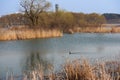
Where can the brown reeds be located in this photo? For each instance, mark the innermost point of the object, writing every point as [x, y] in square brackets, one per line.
[76, 70]
[36, 74]
[115, 29]
[80, 70]
[27, 33]
[8, 34]
[94, 30]
[91, 30]
[83, 70]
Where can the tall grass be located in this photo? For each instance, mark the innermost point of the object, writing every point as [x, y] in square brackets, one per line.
[115, 29]
[17, 34]
[78, 70]
[83, 70]
[74, 70]
[27, 33]
[91, 30]
[94, 30]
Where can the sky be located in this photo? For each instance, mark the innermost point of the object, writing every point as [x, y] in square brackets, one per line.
[85, 6]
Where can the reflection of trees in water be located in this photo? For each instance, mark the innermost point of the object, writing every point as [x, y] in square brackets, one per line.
[35, 61]
[100, 37]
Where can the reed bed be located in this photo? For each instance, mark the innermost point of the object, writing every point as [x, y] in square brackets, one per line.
[9, 34]
[79, 70]
[27, 33]
[83, 70]
[94, 30]
[74, 70]
[91, 30]
[116, 29]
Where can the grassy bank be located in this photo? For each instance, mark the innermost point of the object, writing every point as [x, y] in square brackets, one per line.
[20, 34]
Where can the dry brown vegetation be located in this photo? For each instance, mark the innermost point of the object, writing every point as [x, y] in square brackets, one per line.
[94, 30]
[18, 34]
[77, 70]
[21, 32]
[115, 29]
[61, 20]
[52, 24]
[80, 69]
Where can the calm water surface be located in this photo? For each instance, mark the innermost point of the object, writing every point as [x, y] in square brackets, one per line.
[15, 54]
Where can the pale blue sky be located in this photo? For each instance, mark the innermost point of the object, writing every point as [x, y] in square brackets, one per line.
[86, 6]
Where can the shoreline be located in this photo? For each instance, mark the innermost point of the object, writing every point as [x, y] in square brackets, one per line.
[26, 33]
[94, 30]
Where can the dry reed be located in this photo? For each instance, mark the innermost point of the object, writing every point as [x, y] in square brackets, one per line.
[75, 70]
[79, 70]
[94, 30]
[28, 34]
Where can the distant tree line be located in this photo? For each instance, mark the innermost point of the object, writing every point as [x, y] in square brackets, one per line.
[112, 17]
[61, 20]
[35, 15]
[12, 19]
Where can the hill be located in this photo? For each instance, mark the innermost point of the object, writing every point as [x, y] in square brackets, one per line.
[112, 18]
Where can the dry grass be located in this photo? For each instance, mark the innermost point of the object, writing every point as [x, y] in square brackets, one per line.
[75, 70]
[79, 70]
[17, 34]
[95, 30]
[115, 29]
[21, 33]
[83, 70]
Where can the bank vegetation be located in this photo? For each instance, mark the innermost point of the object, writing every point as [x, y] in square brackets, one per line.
[37, 18]
[80, 69]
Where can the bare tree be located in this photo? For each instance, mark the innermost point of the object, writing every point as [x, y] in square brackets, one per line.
[32, 9]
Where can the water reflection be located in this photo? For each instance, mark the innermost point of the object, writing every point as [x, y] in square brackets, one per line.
[35, 61]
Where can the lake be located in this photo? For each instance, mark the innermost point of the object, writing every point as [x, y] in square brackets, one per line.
[14, 55]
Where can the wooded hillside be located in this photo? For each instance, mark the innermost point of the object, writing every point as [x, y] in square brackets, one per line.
[112, 17]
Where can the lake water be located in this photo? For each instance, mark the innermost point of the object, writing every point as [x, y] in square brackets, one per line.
[14, 55]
